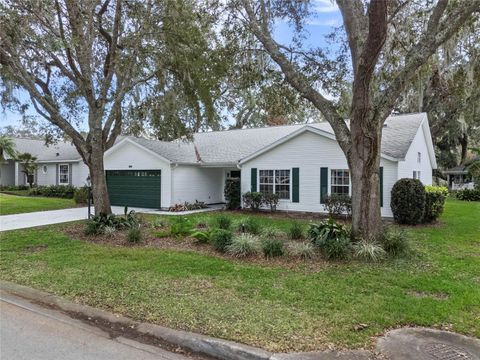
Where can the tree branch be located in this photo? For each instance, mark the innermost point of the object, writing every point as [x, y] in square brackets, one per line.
[298, 80]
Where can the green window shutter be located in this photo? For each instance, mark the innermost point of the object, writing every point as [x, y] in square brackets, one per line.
[253, 180]
[323, 184]
[380, 174]
[295, 185]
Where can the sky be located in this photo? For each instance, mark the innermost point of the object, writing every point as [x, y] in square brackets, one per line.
[324, 19]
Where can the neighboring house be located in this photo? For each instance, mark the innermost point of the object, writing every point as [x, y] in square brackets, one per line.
[301, 163]
[58, 164]
[458, 178]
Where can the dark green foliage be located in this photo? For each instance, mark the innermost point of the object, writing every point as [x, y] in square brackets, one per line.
[332, 238]
[134, 235]
[273, 248]
[13, 188]
[81, 195]
[202, 236]
[221, 239]
[222, 222]
[253, 200]
[61, 191]
[232, 193]
[251, 225]
[96, 225]
[295, 231]
[468, 194]
[337, 205]
[92, 228]
[435, 197]
[271, 200]
[180, 226]
[408, 201]
[395, 242]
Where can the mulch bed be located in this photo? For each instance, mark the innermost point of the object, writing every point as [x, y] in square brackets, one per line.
[119, 239]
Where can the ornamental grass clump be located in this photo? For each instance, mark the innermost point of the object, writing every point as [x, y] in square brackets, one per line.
[273, 248]
[302, 250]
[272, 232]
[395, 242]
[244, 245]
[295, 231]
[134, 235]
[249, 225]
[370, 251]
[221, 239]
[222, 222]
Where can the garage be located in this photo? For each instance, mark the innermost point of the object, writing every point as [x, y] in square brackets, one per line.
[134, 188]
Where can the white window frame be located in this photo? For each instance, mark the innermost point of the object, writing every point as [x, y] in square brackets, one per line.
[332, 184]
[274, 182]
[60, 174]
[44, 169]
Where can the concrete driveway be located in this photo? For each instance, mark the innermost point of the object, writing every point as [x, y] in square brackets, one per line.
[40, 218]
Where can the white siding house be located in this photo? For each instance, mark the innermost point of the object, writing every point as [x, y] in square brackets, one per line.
[302, 163]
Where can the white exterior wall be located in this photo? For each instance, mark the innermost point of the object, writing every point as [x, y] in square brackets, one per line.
[80, 173]
[309, 152]
[48, 178]
[192, 183]
[7, 173]
[410, 164]
[132, 157]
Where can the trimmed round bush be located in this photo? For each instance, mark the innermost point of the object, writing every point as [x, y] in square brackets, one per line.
[408, 201]
[435, 197]
[221, 239]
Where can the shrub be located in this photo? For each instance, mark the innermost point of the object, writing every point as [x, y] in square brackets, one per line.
[81, 195]
[180, 226]
[232, 193]
[295, 231]
[134, 235]
[408, 201]
[251, 225]
[109, 231]
[271, 232]
[253, 200]
[303, 250]
[62, 191]
[368, 251]
[186, 206]
[243, 245]
[395, 242]
[202, 237]
[468, 194]
[273, 248]
[327, 230]
[271, 200]
[221, 239]
[434, 202]
[337, 205]
[222, 222]
[332, 238]
[92, 228]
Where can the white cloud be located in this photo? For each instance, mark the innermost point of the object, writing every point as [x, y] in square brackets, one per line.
[324, 6]
[324, 22]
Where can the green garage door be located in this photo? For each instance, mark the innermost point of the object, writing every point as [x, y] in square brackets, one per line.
[138, 188]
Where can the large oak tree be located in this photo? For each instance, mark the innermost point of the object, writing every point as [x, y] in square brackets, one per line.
[378, 79]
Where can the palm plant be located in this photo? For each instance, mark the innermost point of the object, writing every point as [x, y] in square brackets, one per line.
[7, 148]
[29, 163]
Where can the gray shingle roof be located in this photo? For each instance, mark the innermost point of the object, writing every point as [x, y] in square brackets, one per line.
[231, 146]
[60, 151]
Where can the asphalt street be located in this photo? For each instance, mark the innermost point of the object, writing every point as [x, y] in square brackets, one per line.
[32, 332]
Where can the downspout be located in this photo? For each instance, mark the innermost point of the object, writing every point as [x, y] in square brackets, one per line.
[173, 166]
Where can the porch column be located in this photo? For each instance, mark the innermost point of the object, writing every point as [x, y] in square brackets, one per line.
[16, 173]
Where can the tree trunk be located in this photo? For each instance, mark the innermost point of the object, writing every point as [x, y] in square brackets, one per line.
[101, 200]
[464, 148]
[364, 162]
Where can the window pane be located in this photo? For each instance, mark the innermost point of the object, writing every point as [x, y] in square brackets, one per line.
[282, 184]
[340, 181]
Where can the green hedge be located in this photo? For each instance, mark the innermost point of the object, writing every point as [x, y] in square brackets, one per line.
[61, 191]
[408, 201]
[435, 197]
[468, 194]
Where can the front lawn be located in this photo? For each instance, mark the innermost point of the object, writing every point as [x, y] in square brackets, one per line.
[13, 204]
[275, 307]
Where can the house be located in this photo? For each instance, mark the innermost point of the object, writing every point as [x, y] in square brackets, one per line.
[58, 164]
[301, 163]
[458, 178]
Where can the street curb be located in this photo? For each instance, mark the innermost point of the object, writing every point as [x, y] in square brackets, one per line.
[196, 343]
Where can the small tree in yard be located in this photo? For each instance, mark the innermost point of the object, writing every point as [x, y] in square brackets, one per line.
[375, 30]
[29, 164]
[7, 148]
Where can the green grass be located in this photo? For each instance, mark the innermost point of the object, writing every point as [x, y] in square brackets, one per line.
[13, 204]
[276, 308]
